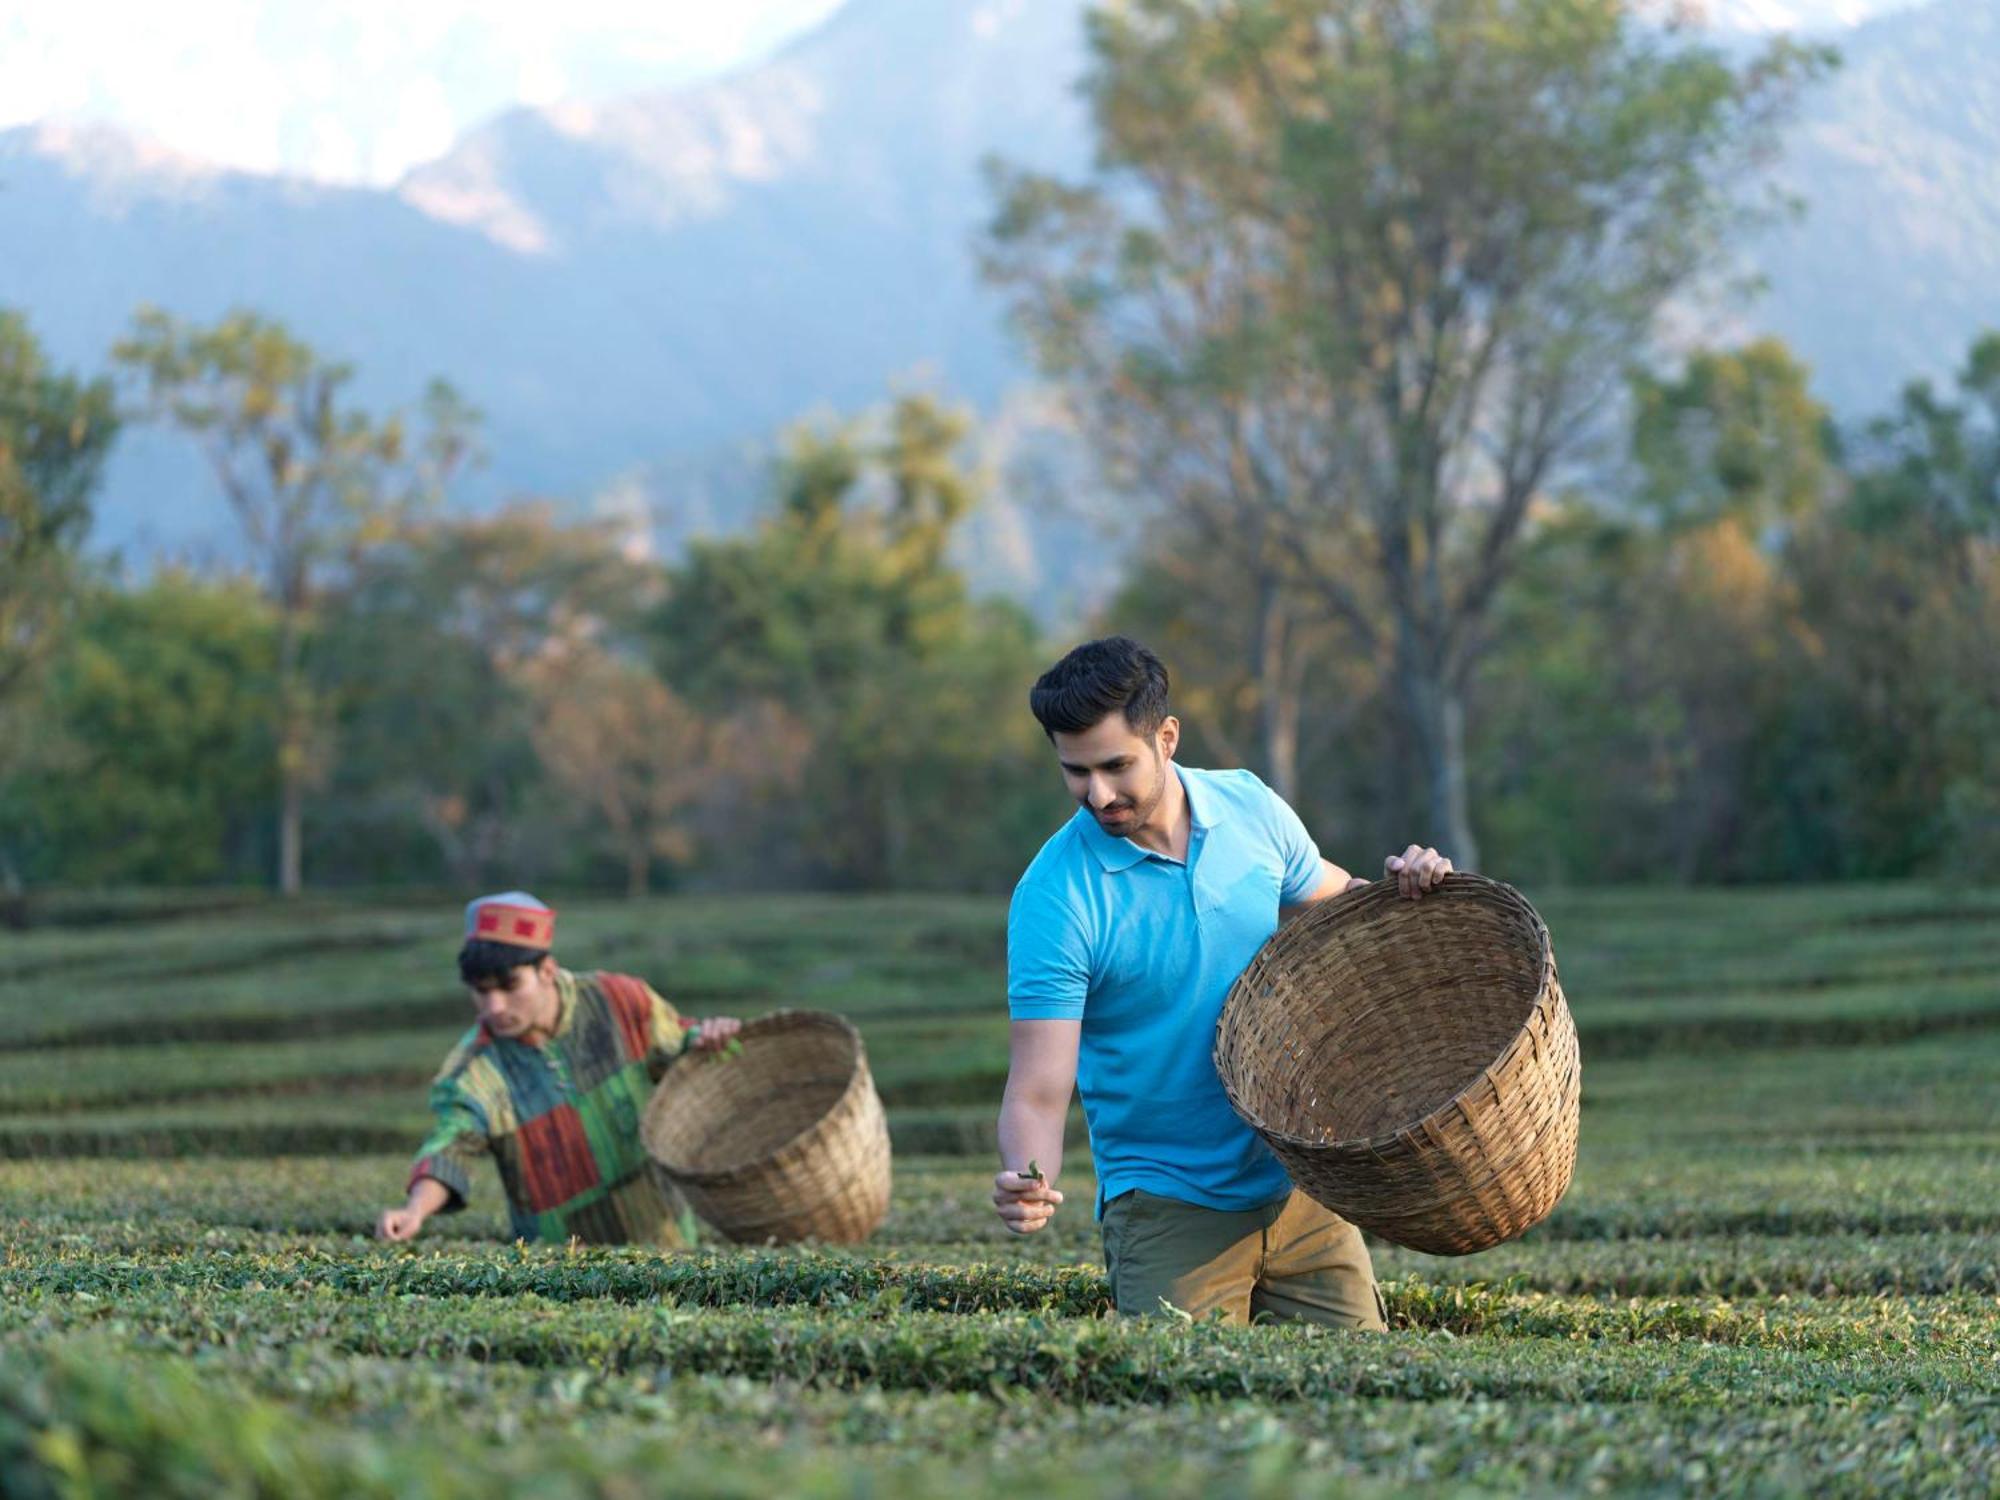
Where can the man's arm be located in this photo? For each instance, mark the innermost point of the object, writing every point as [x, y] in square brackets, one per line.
[1416, 871]
[1333, 881]
[669, 1033]
[427, 1196]
[441, 1176]
[1041, 1077]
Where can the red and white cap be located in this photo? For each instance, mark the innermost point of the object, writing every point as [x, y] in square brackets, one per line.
[512, 917]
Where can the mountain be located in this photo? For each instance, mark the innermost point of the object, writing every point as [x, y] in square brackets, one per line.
[1803, 17]
[1896, 264]
[640, 293]
[636, 289]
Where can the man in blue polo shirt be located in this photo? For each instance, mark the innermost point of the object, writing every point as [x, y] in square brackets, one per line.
[1123, 940]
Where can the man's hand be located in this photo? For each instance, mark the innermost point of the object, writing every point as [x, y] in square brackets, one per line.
[1024, 1203]
[1416, 870]
[713, 1034]
[399, 1223]
[427, 1196]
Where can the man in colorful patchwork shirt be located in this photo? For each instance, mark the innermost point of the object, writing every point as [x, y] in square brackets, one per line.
[550, 1083]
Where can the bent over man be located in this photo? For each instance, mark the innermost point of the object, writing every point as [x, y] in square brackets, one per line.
[550, 1083]
[1123, 939]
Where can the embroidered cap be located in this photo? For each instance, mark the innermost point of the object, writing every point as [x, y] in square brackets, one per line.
[511, 917]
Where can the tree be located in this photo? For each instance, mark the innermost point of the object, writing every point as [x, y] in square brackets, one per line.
[1735, 436]
[157, 714]
[425, 653]
[1241, 672]
[1371, 270]
[1734, 456]
[1903, 598]
[311, 479]
[1932, 468]
[627, 746]
[843, 607]
[55, 431]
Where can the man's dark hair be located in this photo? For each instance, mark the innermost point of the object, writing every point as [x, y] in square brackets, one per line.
[481, 959]
[1100, 678]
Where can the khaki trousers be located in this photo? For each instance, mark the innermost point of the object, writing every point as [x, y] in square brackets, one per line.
[1288, 1260]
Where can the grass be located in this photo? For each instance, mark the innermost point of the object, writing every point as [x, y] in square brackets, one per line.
[1776, 1271]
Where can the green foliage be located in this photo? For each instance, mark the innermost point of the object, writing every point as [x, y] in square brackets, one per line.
[311, 478]
[159, 705]
[1779, 664]
[1736, 436]
[1775, 1270]
[1351, 287]
[844, 607]
[575, 1432]
[55, 431]
[443, 615]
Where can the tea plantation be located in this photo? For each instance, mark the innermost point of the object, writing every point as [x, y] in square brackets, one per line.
[1776, 1272]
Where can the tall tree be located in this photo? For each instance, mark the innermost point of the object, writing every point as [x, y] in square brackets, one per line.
[1933, 466]
[1907, 604]
[1374, 269]
[158, 712]
[425, 653]
[1154, 296]
[625, 745]
[1734, 455]
[844, 607]
[311, 479]
[55, 431]
[1736, 435]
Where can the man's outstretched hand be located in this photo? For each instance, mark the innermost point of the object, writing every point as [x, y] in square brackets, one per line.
[399, 1224]
[427, 1196]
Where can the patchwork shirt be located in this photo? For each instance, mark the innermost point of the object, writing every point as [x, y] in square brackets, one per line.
[561, 1120]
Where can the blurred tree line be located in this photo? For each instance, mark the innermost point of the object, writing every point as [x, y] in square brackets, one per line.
[1358, 309]
[1772, 654]
[391, 693]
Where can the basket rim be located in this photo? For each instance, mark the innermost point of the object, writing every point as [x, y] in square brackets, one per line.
[784, 1019]
[1338, 909]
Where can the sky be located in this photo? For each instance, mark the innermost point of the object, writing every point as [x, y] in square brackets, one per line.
[355, 91]
[359, 91]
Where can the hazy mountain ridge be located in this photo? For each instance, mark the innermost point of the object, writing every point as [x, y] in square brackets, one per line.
[636, 291]
[1896, 265]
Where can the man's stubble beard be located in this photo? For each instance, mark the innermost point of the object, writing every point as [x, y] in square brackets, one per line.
[1142, 812]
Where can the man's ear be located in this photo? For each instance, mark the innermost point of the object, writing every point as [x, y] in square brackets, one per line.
[1170, 736]
[547, 967]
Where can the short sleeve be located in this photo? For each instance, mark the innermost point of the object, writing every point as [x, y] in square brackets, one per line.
[1048, 957]
[1297, 852]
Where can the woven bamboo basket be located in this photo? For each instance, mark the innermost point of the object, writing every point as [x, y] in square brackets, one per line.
[1412, 1063]
[784, 1141]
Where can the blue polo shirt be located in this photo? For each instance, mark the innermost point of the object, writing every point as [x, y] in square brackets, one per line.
[1142, 949]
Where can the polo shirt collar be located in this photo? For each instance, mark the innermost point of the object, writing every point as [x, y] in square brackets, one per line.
[1204, 811]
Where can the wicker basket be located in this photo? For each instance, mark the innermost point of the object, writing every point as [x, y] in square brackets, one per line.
[784, 1141]
[1412, 1063]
